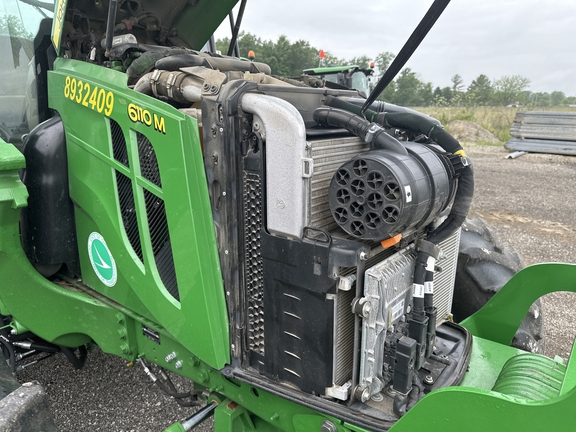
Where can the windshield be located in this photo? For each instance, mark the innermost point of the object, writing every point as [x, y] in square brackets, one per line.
[360, 82]
[19, 22]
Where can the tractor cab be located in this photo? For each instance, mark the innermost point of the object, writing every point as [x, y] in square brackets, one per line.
[344, 77]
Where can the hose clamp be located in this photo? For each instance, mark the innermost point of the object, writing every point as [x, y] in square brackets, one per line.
[372, 132]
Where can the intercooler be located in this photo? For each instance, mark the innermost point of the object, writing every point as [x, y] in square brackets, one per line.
[328, 155]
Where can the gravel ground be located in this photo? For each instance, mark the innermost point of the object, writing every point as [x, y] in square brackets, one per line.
[529, 202]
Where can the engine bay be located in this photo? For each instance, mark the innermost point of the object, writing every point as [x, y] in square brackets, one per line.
[339, 239]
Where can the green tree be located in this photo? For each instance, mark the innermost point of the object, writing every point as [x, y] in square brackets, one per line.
[539, 99]
[382, 62]
[480, 91]
[557, 98]
[426, 94]
[284, 57]
[457, 83]
[332, 60]
[389, 93]
[447, 94]
[11, 25]
[408, 89]
[510, 89]
[362, 61]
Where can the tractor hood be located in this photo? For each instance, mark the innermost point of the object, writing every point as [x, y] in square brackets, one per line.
[191, 22]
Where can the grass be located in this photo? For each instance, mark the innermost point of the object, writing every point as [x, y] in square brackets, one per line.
[494, 119]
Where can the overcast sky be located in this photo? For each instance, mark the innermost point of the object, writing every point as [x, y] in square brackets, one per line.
[532, 38]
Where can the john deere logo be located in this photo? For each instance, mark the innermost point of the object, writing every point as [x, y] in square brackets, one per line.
[102, 260]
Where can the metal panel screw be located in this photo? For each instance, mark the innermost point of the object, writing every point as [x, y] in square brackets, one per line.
[179, 364]
[170, 357]
[328, 426]
[428, 380]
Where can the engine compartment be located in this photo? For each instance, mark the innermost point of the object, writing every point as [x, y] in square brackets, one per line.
[338, 298]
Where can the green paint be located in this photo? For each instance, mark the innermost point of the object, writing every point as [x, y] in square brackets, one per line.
[199, 320]
[499, 319]
[331, 69]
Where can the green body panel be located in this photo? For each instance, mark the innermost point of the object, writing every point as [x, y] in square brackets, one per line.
[499, 319]
[58, 314]
[570, 375]
[199, 20]
[199, 319]
[331, 69]
[471, 410]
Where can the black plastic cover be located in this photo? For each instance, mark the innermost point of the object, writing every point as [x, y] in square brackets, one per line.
[404, 364]
[48, 226]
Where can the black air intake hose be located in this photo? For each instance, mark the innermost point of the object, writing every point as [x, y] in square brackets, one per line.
[358, 126]
[424, 126]
[403, 120]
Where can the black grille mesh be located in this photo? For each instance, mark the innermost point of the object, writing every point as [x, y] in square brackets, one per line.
[119, 144]
[128, 210]
[253, 261]
[160, 238]
[148, 162]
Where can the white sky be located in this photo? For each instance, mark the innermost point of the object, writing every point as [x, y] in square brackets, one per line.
[532, 38]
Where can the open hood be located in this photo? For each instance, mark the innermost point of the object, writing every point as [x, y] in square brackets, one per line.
[187, 22]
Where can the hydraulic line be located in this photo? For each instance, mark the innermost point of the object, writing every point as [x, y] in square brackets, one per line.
[170, 389]
[77, 362]
[199, 416]
[429, 283]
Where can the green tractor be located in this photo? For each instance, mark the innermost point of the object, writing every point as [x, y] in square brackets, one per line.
[293, 251]
[344, 77]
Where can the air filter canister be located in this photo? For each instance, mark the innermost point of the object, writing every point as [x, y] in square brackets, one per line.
[379, 194]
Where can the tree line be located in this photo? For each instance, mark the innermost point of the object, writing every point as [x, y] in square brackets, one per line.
[289, 59]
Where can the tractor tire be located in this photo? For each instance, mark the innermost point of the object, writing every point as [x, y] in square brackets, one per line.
[484, 266]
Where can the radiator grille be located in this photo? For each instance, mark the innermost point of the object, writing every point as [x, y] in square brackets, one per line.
[328, 156]
[160, 238]
[253, 261]
[128, 210]
[148, 162]
[119, 149]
